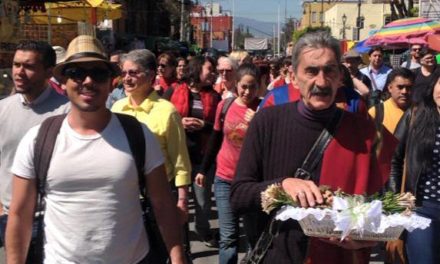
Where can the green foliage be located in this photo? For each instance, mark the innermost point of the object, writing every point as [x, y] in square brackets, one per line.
[299, 33]
[414, 12]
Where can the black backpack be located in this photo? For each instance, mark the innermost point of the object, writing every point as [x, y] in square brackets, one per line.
[44, 146]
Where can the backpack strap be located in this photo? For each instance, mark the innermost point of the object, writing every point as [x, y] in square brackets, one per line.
[225, 108]
[136, 141]
[378, 120]
[43, 149]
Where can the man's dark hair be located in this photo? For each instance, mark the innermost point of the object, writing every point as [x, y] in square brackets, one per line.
[402, 72]
[373, 49]
[195, 65]
[47, 55]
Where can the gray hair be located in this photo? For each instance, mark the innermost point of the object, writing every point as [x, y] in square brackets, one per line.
[142, 57]
[230, 61]
[315, 40]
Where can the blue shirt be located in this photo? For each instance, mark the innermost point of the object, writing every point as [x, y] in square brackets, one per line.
[379, 78]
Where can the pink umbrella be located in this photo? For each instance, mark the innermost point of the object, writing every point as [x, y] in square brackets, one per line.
[405, 31]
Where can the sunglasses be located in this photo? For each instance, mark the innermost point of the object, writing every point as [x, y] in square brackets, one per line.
[131, 73]
[416, 49]
[162, 65]
[224, 71]
[79, 74]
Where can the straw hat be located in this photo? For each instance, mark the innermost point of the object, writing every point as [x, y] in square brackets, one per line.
[84, 48]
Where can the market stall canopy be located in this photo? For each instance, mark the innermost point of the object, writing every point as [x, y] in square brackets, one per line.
[405, 31]
[434, 42]
[67, 12]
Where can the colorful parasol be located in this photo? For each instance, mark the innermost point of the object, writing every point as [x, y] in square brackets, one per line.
[405, 31]
[66, 12]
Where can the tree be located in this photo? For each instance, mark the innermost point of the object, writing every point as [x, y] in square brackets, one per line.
[289, 28]
[402, 9]
[240, 35]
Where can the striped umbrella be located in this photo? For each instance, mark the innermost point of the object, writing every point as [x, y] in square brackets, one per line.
[405, 31]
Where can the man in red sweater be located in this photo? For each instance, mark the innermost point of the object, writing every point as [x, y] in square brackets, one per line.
[280, 137]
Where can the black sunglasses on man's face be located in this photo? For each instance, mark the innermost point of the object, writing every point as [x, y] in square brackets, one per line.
[79, 74]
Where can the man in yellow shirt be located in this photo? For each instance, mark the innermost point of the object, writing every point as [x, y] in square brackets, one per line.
[160, 116]
[398, 85]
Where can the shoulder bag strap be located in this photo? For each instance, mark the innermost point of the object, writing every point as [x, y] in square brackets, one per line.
[378, 120]
[405, 160]
[310, 163]
[315, 154]
[225, 108]
[43, 149]
[136, 141]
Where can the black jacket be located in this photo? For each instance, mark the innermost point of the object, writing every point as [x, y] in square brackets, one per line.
[405, 156]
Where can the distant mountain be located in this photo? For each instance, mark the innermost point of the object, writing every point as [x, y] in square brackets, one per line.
[256, 27]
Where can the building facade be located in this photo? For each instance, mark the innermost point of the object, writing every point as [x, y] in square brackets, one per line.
[375, 15]
[211, 30]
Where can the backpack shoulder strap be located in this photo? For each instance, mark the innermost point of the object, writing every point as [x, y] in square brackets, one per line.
[136, 141]
[378, 120]
[44, 146]
[225, 108]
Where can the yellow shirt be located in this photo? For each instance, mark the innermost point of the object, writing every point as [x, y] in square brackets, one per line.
[391, 116]
[162, 119]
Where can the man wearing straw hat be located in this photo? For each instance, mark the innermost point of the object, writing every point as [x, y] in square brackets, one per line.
[92, 212]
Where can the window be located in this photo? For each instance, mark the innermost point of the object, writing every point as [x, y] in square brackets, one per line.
[314, 18]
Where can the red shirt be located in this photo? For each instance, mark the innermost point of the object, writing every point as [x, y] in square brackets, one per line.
[234, 130]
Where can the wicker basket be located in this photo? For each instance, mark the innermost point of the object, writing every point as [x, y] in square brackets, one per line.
[325, 228]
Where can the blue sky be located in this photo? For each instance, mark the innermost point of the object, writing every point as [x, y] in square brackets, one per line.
[264, 10]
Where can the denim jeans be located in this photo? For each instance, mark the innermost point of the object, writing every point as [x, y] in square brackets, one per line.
[423, 246]
[3, 221]
[202, 199]
[228, 223]
[3, 224]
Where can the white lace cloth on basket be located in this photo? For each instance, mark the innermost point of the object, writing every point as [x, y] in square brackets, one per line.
[361, 217]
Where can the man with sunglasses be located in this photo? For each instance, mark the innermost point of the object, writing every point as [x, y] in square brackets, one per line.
[92, 212]
[413, 61]
[225, 84]
[33, 102]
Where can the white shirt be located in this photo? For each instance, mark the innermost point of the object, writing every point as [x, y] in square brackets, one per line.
[93, 213]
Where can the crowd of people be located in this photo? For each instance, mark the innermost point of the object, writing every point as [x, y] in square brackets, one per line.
[84, 135]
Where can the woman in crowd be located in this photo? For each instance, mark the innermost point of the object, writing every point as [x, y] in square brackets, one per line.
[181, 68]
[419, 152]
[166, 72]
[161, 117]
[423, 74]
[232, 120]
[196, 101]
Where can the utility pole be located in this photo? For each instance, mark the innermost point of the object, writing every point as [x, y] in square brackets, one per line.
[211, 26]
[322, 13]
[344, 20]
[279, 29]
[182, 24]
[273, 40]
[233, 29]
[358, 29]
